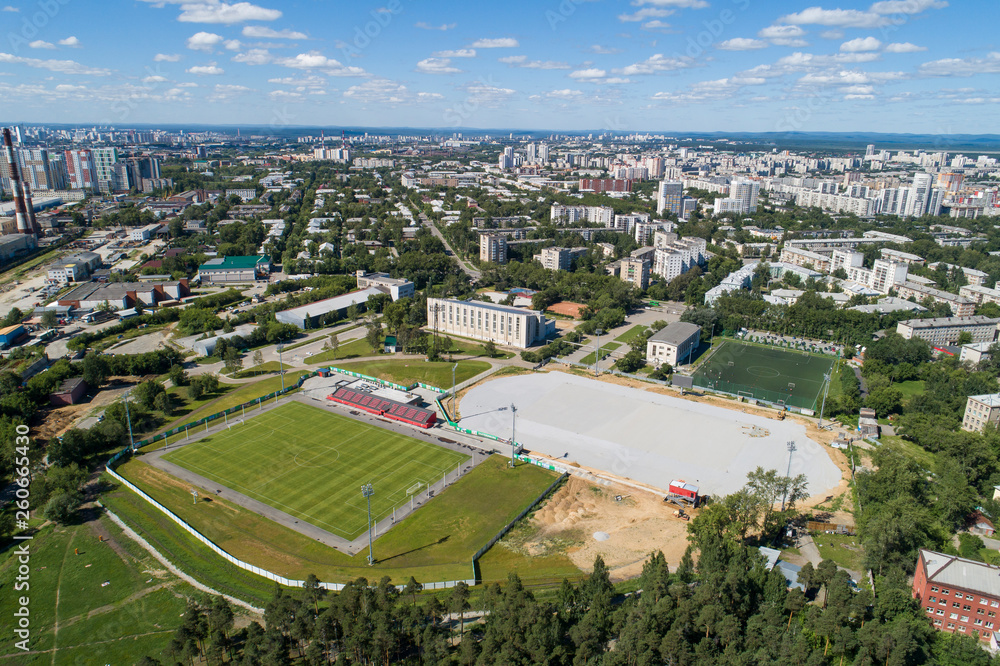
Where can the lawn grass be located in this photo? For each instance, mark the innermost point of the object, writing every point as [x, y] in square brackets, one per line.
[99, 624]
[606, 348]
[910, 388]
[631, 334]
[436, 543]
[317, 338]
[263, 368]
[309, 463]
[406, 371]
[237, 396]
[352, 349]
[845, 551]
[923, 457]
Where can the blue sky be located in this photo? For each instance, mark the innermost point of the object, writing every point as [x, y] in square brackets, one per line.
[928, 66]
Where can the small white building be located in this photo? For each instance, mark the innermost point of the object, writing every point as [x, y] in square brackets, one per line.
[678, 340]
[981, 410]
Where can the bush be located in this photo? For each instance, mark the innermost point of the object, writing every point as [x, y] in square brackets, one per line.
[62, 507]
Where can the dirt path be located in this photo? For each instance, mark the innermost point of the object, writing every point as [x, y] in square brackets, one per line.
[107, 608]
[55, 609]
[132, 637]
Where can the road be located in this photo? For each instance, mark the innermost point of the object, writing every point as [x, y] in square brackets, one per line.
[469, 270]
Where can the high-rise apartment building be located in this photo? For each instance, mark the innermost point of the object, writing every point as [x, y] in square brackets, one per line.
[80, 170]
[493, 248]
[669, 197]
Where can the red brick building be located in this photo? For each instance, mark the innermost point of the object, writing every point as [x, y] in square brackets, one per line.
[958, 595]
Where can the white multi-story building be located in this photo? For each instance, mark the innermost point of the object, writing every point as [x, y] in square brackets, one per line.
[501, 324]
[946, 330]
[675, 343]
[742, 198]
[846, 259]
[807, 258]
[626, 223]
[901, 257]
[960, 306]
[603, 215]
[104, 160]
[882, 276]
[980, 411]
[493, 248]
[980, 294]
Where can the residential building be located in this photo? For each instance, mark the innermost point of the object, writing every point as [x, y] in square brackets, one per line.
[226, 270]
[980, 411]
[80, 170]
[738, 279]
[901, 257]
[602, 215]
[846, 259]
[559, 258]
[742, 198]
[807, 258]
[674, 344]
[143, 233]
[627, 223]
[979, 294]
[960, 306]
[957, 595]
[605, 185]
[669, 197]
[976, 352]
[633, 270]
[882, 277]
[943, 331]
[972, 276]
[396, 288]
[105, 173]
[311, 315]
[245, 193]
[502, 324]
[493, 248]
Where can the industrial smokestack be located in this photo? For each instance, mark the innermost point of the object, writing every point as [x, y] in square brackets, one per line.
[19, 212]
[30, 209]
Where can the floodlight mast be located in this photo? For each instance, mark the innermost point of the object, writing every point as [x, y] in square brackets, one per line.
[788, 472]
[367, 491]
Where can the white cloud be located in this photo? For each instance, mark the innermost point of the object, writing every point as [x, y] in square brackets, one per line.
[228, 91]
[588, 74]
[206, 70]
[41, 44]
[498, 43]
[741, 44]
[382, 91]
[644, 14]
[232, 44]
[849, 97]
[284, 94]
[784, 35]
[861, 44]
[254, 57]
[906, 6]
[522, 61]
[71, 42]
[221, 12]
[155, 78]
[655, 63]
[303, 81]
[455, 53]
[655, 24]
[488, 95]
[904, 47]
[329, 66]
[604, 50]
[962, 66]
[60, 66]
[188, 84]
[860, 90]
[269, 33]
[166, 57]
[443, 27]
[565, 93]
[436, 66]
[843, 18]
[832, 34]
[8, 8]
[203, 41]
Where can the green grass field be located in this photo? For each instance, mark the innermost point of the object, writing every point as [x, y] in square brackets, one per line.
[606, 348]
[311, 464]
[405, 371]
[767, 373]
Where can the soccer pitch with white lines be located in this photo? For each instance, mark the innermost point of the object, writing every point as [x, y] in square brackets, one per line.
[311, 464]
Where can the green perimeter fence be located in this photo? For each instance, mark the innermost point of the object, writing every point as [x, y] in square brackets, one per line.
[122, 455]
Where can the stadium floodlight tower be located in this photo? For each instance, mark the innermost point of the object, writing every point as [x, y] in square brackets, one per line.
[788, 472]
[453, 391]
[367, 491]
[825, 391]
[128, 418]
[281, 368]
[597, 352]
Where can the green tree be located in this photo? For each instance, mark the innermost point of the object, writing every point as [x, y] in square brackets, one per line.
[178, 376]
[233, 360]
[61, 508]
[164, 403]
[49, 319]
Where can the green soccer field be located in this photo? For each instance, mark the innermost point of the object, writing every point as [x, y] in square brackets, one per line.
[794, 378]
[311, 464]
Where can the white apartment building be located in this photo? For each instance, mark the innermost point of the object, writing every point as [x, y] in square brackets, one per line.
[634, 271]
[979, 294]
[883, 276]
[559, 258]
[627, 223]
[143, 233]
[945, 330]
[860, 206]
[846, 259]
[603, 215]
[493, 248]
[679, 256]
[960, 306]
[501, 324]
[901, 257]
[981, 410]
[742, 198]
[972, 276]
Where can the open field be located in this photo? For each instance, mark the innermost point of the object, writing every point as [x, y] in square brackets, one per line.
[352, 349]
[631, 334]
[134, 613]
[645, 435]
[407, 371]
[793, 377]
[311, 464]
[606, 348]
[435, 543]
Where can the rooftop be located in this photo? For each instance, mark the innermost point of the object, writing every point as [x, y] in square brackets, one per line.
[675, 333]
[988, 399]
[232, 263]
[935, 322]
[489, 306]
[960, 572]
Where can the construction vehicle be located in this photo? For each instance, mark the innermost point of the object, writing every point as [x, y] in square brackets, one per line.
[781, 415]
[680, 514]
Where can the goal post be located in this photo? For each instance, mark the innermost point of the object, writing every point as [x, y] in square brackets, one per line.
[745, 394]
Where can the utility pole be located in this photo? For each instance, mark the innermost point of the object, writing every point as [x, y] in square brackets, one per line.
[453, 415]
[825, 391]
[513, 441]
[367, 491]
[128, 418]
[788, 472]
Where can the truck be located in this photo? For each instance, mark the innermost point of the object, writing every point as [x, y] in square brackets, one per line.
[682, 494]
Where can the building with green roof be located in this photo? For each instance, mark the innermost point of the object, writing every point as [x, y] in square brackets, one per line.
[230, 270]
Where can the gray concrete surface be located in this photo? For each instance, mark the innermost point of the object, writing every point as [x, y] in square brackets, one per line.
[647, 437]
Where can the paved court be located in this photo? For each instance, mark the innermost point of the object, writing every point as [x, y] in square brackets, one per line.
[644, 436]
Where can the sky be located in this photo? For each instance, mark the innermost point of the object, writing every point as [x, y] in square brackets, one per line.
[922, 66]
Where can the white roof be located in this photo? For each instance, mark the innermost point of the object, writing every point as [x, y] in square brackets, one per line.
[960, 572]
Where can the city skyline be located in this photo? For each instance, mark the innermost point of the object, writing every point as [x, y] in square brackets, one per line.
[671, 65]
